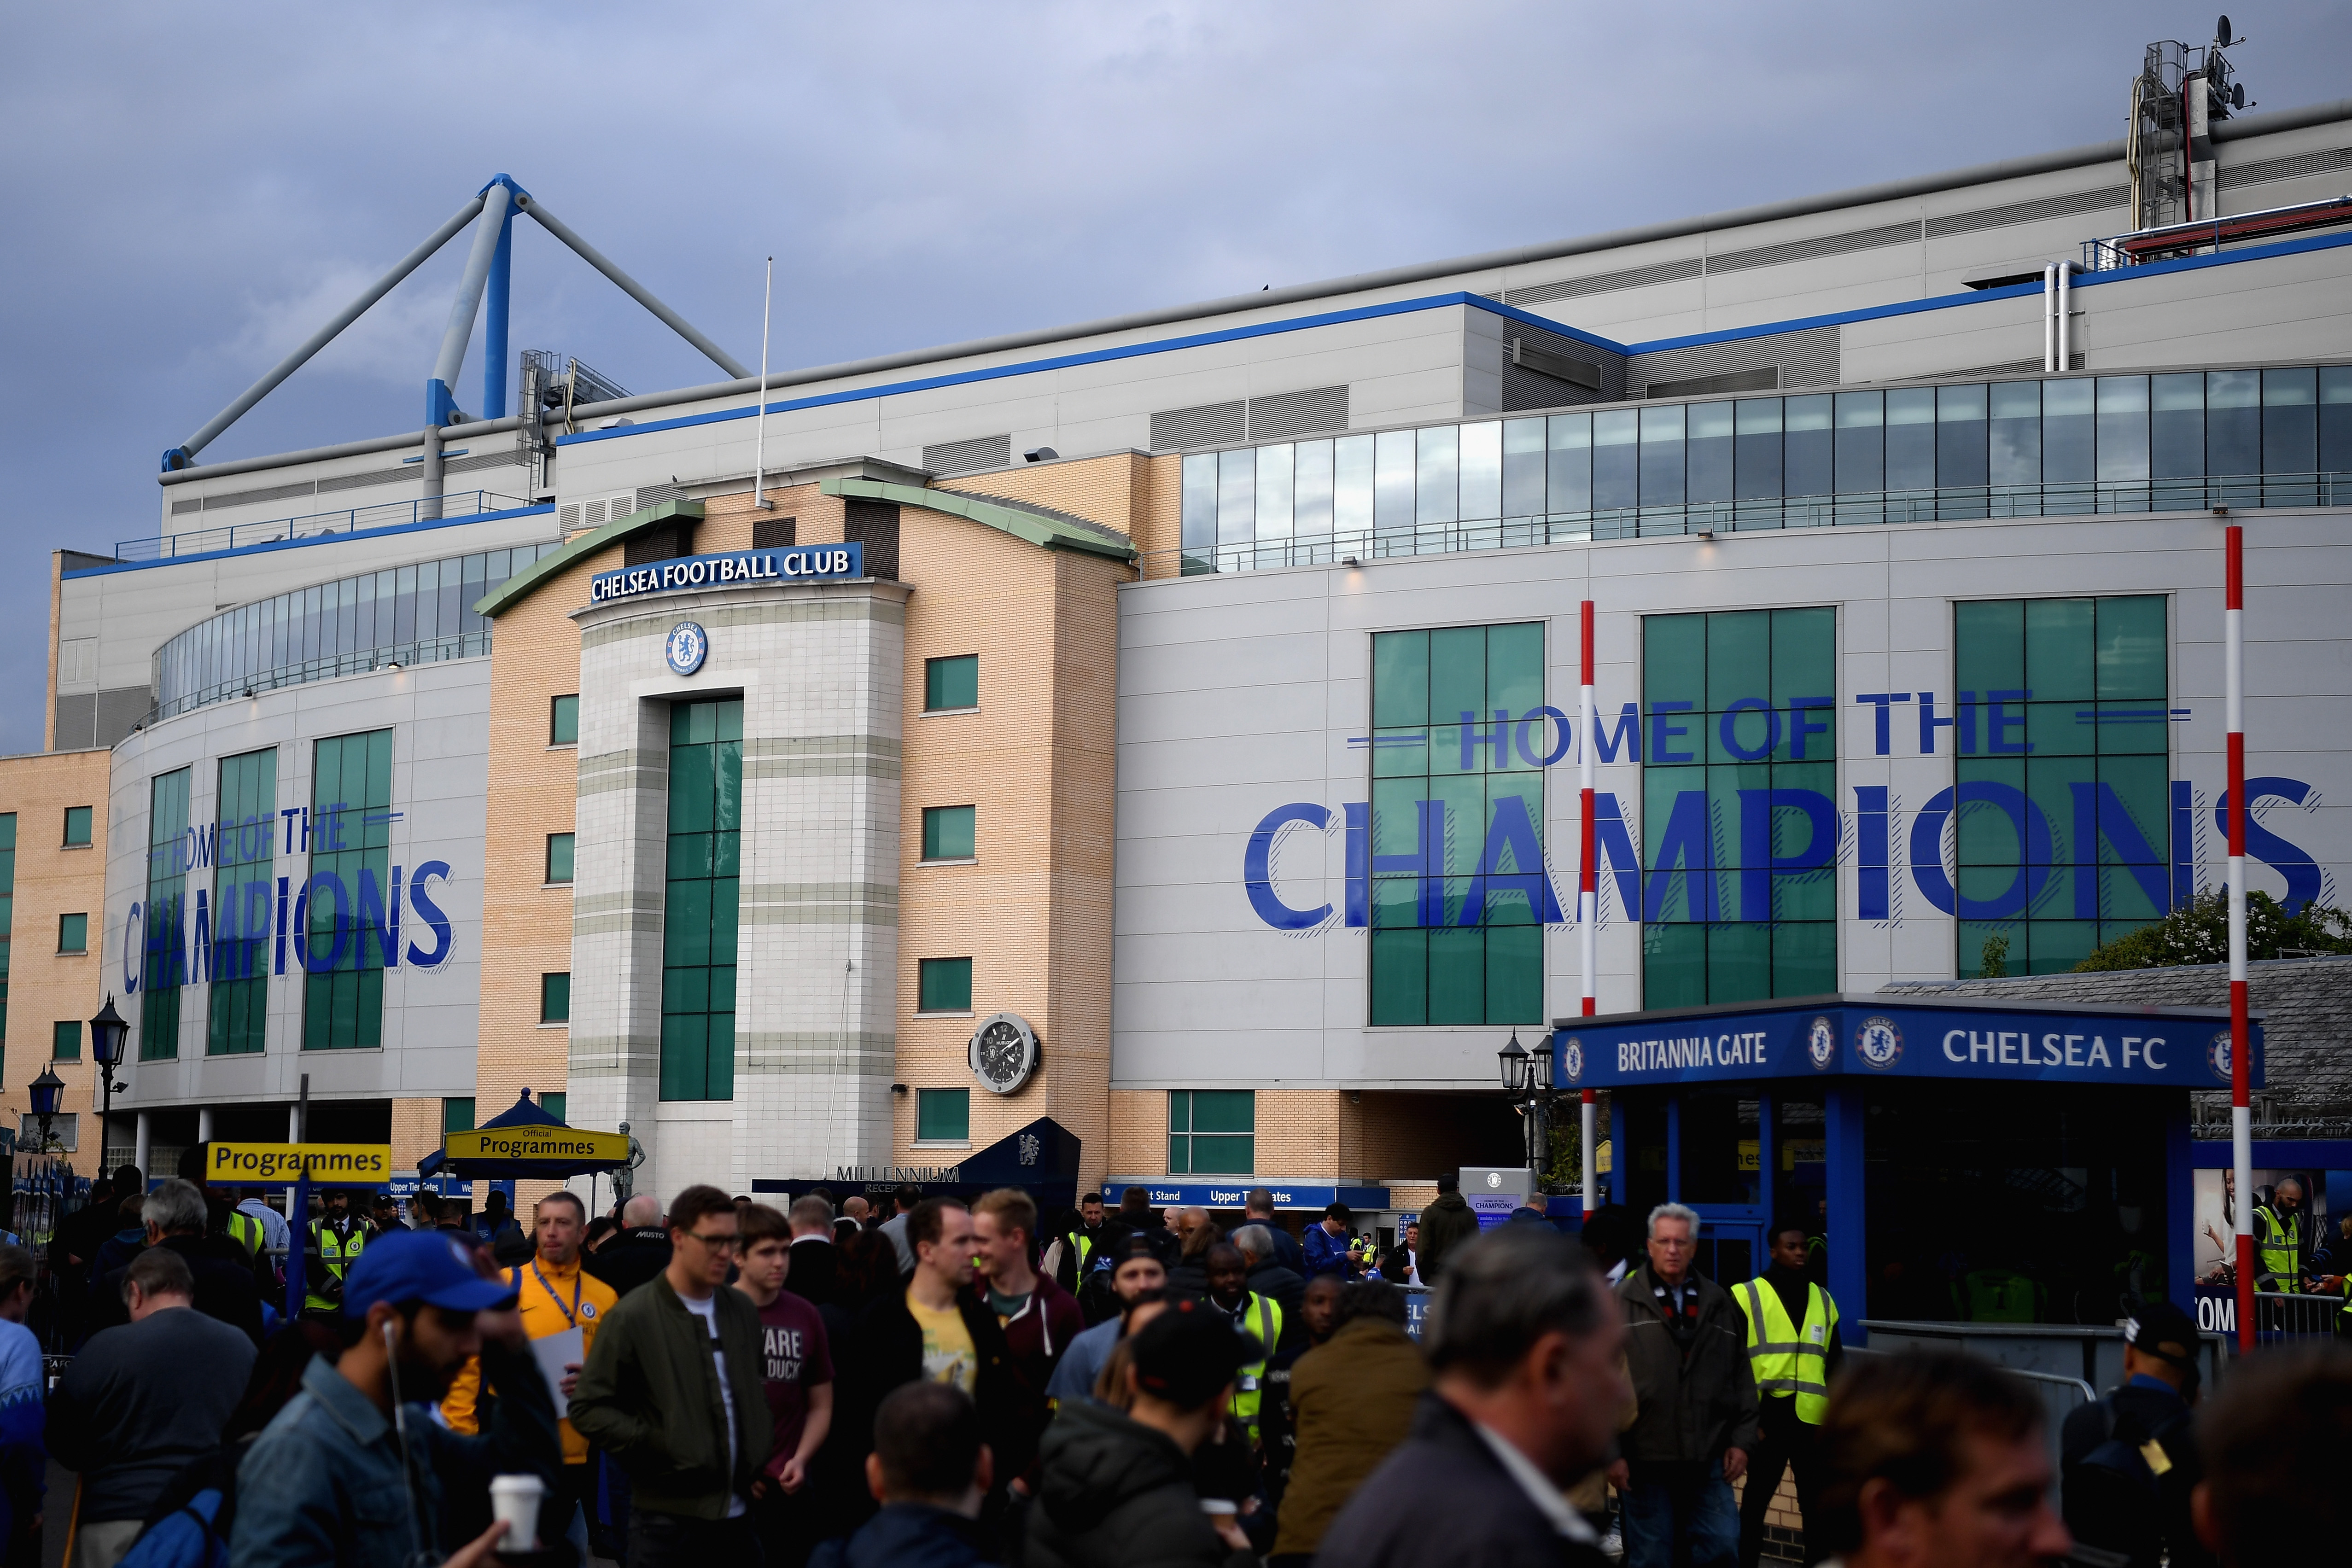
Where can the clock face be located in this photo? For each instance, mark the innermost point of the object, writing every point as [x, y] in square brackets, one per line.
[686, 647]
[1004, 1052]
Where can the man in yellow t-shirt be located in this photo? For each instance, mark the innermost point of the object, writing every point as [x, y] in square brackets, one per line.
[556, 1296]
[942, 1273]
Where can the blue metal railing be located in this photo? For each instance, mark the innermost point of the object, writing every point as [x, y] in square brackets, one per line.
[315, 525]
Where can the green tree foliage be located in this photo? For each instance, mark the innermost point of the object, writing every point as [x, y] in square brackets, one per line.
[2200, 934]
[1993, 964]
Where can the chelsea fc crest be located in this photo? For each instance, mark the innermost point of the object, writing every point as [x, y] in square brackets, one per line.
[1821, 1044]
[2217, 1056]
[686, 647]
[1879, 1043]
[1571, 1059]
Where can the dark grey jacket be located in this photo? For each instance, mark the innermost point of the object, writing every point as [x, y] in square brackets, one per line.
[1114, 1493]
[1693, 1403]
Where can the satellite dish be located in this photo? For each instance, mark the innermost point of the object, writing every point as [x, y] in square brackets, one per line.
[2221, 32]
[2238, 95]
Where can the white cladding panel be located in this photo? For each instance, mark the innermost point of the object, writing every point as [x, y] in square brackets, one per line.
[1241, 693]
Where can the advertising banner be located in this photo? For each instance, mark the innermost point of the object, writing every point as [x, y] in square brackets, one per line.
[280, 1165]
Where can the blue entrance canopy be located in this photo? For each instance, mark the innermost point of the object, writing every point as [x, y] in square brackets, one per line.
[1902, 1036]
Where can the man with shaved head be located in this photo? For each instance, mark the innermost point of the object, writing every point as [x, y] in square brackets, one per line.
[638, 1251]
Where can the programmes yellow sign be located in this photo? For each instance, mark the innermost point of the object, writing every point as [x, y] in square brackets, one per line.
[536, 1144]
[359, 1165]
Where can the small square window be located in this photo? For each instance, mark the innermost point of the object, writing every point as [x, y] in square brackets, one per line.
[458, 1115]
[559, 857]
[944, 985]
[555, 998]
[1211, 1132]
[563, 721]
[774, 533]
[950, 684]
[73, 933]
[942, 1116]
[947, 832]
[65, 1040]
[554, 1104]
[77, 823]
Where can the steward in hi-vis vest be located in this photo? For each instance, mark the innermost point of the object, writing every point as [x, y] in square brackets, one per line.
[336, 1241]
[1793, 1352]
[1229, 1292]
[2279, 1239]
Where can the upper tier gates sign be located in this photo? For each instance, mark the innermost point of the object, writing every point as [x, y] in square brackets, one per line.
[801, 563]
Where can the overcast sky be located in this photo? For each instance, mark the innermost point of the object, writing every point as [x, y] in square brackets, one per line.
[191, 191]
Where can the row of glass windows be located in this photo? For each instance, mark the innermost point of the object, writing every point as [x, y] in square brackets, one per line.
[2002, 444]
[1211, 1132]
[409, 615]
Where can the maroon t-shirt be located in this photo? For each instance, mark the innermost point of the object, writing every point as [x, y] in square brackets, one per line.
[797, 1360]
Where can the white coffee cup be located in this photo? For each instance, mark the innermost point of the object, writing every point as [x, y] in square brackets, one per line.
[514, 1502]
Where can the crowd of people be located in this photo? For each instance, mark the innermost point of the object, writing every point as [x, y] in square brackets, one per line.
[940, 1383]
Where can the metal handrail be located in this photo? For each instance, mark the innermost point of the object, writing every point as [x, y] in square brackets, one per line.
[315, 524]
[1840, 508]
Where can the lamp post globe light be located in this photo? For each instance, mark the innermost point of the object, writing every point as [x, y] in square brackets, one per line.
[44, 1092]
[107, 1033]
[1514, 1060]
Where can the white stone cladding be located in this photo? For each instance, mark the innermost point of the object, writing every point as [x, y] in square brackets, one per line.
[821, 669]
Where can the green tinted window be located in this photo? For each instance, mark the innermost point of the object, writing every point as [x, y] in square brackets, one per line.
[1458, 740]
[943, 986]
[78, 824]
[163, 967]
[947, 832]
[559, 857]
[1738, 805]
[1212, 1132]
[458, 1115]
[951, 682]
[2062, 742]
[65, 1040]
[349, 893]
[944, 1115]
[564, 720]
[699, 921]
[73, 933]
[243, 858]
[555, 1105]
[555, 998]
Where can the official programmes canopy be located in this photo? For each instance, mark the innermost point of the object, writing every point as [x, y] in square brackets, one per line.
[525, 1142]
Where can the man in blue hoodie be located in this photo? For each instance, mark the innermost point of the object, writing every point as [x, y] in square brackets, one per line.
[929, 1471]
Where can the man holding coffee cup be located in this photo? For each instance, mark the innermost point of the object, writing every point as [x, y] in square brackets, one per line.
[363, 1428]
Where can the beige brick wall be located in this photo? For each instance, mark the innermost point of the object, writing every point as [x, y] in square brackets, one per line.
[45, 986]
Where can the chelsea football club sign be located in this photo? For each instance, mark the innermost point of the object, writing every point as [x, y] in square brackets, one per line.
[801, 563]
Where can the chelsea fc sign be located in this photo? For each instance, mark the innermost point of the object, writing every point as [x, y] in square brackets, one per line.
[802, 563]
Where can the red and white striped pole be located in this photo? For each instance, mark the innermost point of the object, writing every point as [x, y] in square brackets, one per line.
[2242, 1135]
[1587, 907]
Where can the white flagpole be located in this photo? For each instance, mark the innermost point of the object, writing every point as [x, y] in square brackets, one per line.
[760, 439]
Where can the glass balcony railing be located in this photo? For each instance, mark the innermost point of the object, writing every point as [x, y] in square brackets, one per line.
[315, 526]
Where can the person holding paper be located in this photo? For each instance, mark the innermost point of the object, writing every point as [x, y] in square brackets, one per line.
[562, 1305]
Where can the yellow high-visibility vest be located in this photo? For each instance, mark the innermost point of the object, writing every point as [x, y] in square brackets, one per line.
[338, 1253]
[1786, 1358]
[1248, 1384]
[2278, 1250]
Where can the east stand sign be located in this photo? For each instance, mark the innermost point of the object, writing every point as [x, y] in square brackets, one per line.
[1902, 1036]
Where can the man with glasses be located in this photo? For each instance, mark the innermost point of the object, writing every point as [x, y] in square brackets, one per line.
[644, 1395]
[1686, 1349]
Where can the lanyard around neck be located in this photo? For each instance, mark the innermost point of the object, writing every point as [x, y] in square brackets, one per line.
[571, 1313]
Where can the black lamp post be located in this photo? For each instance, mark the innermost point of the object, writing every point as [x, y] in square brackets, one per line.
[107, 1032]
[1527, 1078]
[44, 1092]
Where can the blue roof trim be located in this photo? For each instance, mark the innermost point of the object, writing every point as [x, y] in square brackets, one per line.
[1439, 302]
[316, 540]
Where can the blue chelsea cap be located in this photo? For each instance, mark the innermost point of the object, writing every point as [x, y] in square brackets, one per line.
[429, 1266]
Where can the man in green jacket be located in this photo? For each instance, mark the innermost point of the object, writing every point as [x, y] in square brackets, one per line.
[675, 1388]
[1445, 1225]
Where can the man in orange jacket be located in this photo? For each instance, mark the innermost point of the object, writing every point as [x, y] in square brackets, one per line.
[557, 1297]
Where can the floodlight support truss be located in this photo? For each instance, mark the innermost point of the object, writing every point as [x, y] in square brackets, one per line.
[489, 271]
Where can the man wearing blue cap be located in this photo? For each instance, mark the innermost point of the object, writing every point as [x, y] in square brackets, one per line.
[353, 1471]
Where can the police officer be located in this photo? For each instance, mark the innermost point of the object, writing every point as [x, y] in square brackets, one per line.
[2279, 1238]
[1793, 1351]
[2130, 1462]
[337, 1238]
[1252, 1313]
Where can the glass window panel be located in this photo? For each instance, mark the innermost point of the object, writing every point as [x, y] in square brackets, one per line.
[1808, 444]
[1311, 489]
[1273, 492]
[1400, 990]
[1399, 678]
[944, 1115]
[1804, 665]
[2176, 427]
[1523, 467]
[1661, 456]
[1236, 497]
[555, 998]
[2060, 650]
[1436, 479]
[948, 832]
[1739, 962]
[1515, 669]
[1674, 661]
[1804, 959]
[1481, 471]
[1674, 966]
[1756, 463]
[2336, 422]
[1351, 484]
[2233, 422]
[1569, 464]
[1200, 503]
[1457, 674]
[1960, 458]
[2059, 730]
[952, 682]
[1739, 655]
[1457, 977]
[2131, 648]
[2016, 434]
[1393, 480]
[944, 985]
[1515, 975]
[1616, 459]
[1911, 439]
[559, 857]
[2068, 432]
[2290, 421]
[1708, 470]
[1861, 445]
[2123, 427]
[1989, 643]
